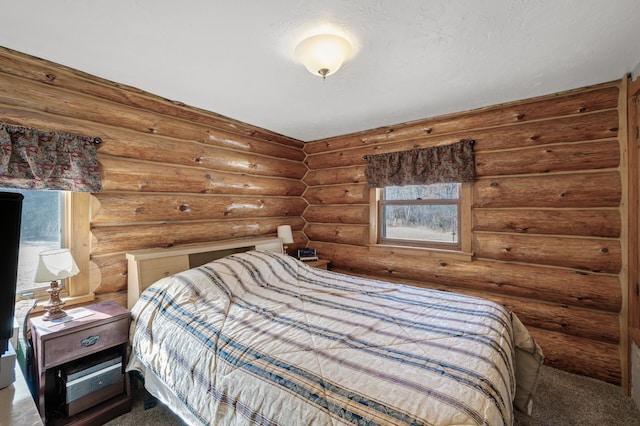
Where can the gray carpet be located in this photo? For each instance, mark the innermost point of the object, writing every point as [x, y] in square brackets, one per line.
[561, 399]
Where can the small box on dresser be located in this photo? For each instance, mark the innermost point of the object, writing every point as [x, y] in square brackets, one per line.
[80, 364]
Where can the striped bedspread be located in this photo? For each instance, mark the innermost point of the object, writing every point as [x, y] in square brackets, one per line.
[261, 338]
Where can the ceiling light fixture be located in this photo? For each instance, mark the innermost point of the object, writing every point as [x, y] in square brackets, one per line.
[323, 54]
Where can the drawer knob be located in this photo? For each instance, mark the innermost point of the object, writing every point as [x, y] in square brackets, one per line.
[89, 341]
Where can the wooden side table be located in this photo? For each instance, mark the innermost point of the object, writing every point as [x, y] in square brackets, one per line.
[320, 263]
[94, 331]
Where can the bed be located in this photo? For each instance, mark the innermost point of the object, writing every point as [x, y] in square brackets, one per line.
[258, 337]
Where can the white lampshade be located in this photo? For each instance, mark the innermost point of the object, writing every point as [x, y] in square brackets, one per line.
[284, 233]
[55, 265]
[323, 54]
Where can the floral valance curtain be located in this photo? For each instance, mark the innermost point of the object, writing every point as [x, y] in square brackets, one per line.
[438, 164]
[33, 159]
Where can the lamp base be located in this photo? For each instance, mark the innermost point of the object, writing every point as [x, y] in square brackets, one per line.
[54, 305]
[51, 315]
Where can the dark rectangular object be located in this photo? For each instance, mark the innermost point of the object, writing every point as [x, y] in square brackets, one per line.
[10, 218]
[306, 252]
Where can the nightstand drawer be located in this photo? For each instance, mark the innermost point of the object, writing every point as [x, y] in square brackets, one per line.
[79, 344]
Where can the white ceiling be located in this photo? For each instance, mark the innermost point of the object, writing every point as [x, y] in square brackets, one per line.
[413, 58]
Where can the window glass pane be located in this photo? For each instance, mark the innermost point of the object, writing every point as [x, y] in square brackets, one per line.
[436, 191]
[435, 223]
[40, 230]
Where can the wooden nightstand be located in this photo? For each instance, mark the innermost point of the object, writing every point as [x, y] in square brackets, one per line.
[80, 365]
[320, 263]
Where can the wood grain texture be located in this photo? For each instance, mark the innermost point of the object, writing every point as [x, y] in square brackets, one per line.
[588, 254]
[587, 357]
[550, 158]
[576, 102]
[338, 194]
[119, 174]
[352, 174]
[350, 213]
[133, 207]
[109, 239]
[579, 128]
[576, 190]
[579, 222]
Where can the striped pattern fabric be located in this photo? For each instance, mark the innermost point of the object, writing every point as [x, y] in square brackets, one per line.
[261, 338]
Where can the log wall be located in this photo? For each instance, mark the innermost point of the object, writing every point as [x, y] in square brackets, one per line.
[171, 174]
[548, 216]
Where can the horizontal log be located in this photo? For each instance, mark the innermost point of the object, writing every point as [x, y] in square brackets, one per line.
[587, 357]
[174, 151]
[355, 213]
[568, 103]
[115, 239]
[338, 194]
[113, 207]
[21, 93]
[109, 274]
[588, 324]
[127, 175]
[587, 127]
[553, 285]
[588, 254]
[42, 71]
[554, 158]
[587, 223]
[580, 128]
[338, 233]
[563, 286]
[354, 174]
[579, 190]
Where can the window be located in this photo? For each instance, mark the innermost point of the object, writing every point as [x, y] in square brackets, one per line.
[54, 219]
[435, 216]
[41, 229]
[421, 215]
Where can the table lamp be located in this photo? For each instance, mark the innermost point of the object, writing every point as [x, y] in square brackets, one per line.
[54, 265]
[284, 233]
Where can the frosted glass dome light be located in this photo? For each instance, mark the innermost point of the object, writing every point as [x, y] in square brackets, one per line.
[323, 54]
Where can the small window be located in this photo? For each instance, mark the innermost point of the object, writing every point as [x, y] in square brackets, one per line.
[421, 215]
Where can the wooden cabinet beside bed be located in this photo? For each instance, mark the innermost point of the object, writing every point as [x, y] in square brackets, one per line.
[147, 266]
[93, 346]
